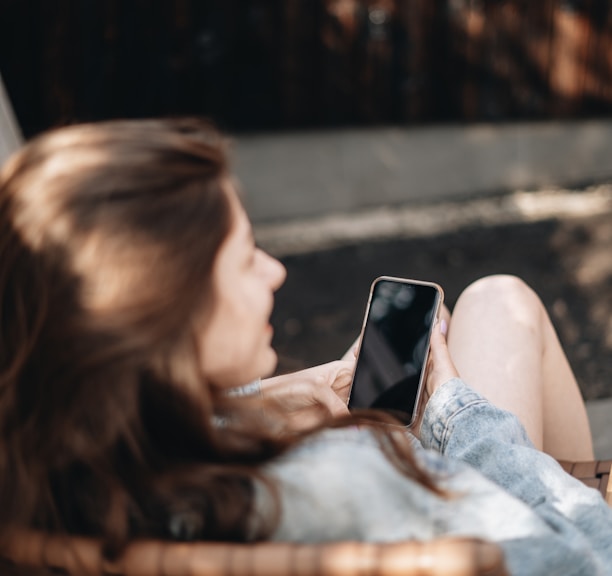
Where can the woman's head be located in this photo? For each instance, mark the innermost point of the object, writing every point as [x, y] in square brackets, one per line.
[129, 281]
[127, 219]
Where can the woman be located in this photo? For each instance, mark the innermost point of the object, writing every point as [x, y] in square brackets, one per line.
[135, 313]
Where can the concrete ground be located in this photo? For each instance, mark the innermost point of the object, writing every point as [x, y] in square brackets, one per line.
[559, 241]
[306, 174]
[600, 416]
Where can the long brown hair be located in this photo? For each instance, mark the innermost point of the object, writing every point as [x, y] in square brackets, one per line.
[108, 236]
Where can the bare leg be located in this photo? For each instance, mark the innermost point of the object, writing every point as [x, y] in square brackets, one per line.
[504, 346]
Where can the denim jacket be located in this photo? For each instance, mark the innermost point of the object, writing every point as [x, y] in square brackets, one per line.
[339, 485]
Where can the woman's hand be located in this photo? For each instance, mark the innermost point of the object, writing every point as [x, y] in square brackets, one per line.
[440, 369]
[311, 396]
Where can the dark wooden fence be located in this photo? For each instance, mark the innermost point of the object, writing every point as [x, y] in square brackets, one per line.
[281, 64]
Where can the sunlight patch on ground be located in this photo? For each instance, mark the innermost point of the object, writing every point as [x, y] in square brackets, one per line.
[419, 221]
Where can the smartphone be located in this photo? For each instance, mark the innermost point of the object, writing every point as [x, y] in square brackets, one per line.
[394, 346]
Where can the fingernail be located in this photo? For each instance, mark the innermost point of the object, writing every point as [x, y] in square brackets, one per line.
[443, 327]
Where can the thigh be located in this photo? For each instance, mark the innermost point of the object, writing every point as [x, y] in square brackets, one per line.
[504, 345]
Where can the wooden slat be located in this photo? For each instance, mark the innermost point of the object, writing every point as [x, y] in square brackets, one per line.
[584, 470]
[595, 474]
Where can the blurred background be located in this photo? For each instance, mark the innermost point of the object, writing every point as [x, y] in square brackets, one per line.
[435, 139]
[303, 64]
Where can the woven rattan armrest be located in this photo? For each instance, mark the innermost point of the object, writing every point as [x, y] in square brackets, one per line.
[595, 473]
[76, 555]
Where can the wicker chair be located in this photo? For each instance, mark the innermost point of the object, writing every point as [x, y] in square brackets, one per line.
[37, 554]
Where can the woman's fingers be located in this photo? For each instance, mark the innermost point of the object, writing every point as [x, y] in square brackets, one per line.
[441, 367]
[353, 350]
[341, 384]
[333, 403]
[308, 397]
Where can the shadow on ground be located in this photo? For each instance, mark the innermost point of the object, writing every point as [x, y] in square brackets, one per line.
[569, 263]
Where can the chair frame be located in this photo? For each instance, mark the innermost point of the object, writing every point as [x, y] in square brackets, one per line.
[594, 473]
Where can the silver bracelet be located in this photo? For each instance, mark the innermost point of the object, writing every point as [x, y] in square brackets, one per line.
[250, 389]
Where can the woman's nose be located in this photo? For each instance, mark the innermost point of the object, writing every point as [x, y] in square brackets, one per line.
[276, 271]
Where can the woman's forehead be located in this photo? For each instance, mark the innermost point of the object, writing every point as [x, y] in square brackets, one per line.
[241, 229]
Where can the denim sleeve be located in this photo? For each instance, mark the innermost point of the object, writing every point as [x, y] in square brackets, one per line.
[463, 425]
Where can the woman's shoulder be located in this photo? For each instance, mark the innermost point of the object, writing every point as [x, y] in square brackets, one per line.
[341, 484]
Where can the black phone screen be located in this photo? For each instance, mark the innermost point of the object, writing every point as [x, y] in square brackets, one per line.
[394, 348]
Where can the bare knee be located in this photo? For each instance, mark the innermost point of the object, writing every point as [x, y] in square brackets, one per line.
[500, 285]
[501, 294]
